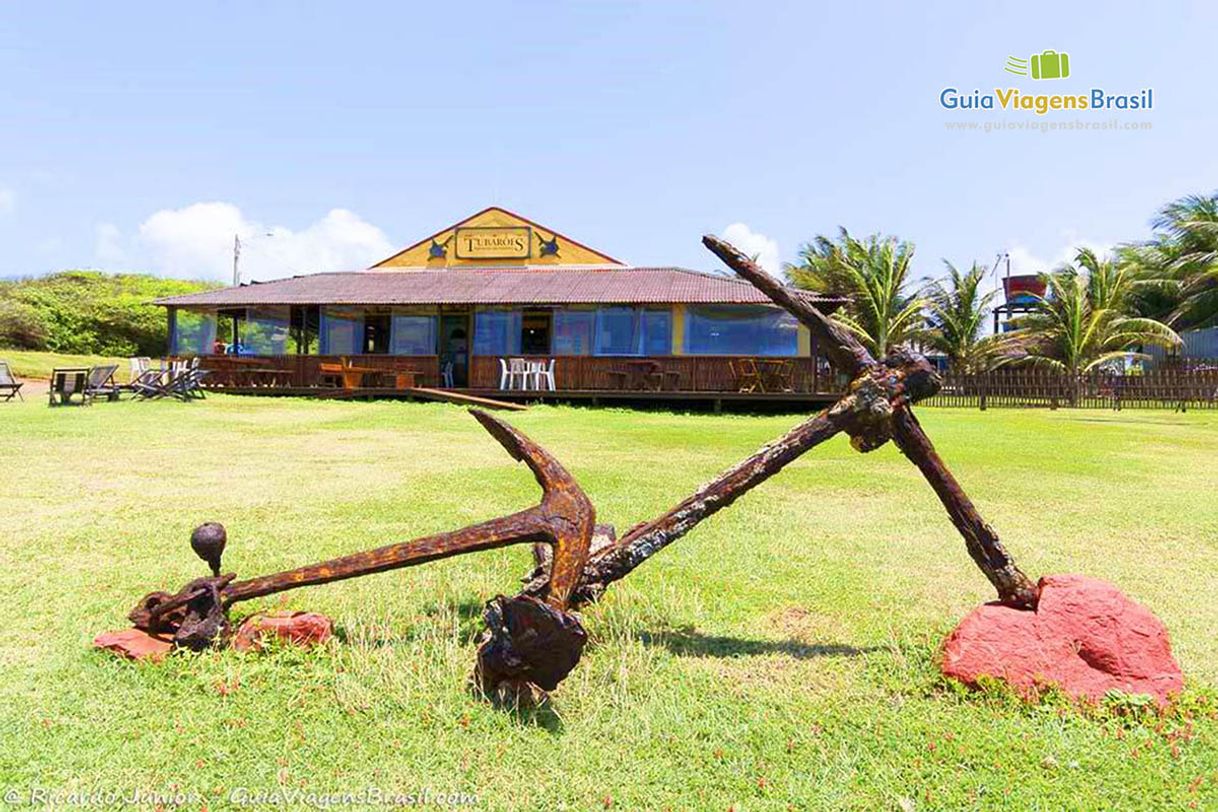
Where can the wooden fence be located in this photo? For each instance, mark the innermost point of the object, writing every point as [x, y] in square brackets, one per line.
[1178, 389]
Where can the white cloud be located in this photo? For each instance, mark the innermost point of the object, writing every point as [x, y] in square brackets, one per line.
[754, 245]
[8, 200]
[196, 242]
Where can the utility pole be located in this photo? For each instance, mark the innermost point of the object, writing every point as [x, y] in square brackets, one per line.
[236, 258]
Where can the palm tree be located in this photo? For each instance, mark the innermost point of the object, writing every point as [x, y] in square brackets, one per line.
[1179, 264]
[956, 318]
[1082, 321]
[873, 273]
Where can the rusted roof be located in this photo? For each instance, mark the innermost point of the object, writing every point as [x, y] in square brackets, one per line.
[521, 286]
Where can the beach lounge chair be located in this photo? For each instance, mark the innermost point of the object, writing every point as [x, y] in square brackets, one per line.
[66, 383]
[182, 383]
[9, 385]
[101, 382]
[150, 384]
[186, 384]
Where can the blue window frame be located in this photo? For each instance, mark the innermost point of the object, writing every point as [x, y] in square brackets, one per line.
[617, 331]
[194, 332]
[657, 332]
[497, 332]
[265, 331]
[412, 335]
[342, 331]
[740, 330]
[574, 331]
[633, 331]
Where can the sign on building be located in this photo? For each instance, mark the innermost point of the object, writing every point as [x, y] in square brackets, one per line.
[494, 242]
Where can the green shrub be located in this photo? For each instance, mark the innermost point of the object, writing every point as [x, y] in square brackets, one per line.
[89, 313]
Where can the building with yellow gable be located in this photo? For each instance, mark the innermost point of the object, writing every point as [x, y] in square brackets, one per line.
[500, 302]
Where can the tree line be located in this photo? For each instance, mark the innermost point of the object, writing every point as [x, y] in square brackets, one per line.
[89, 313]
[1095, 310]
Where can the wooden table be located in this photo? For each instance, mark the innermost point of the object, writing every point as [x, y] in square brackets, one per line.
[775, 374]
[639, 375]
[353, 376]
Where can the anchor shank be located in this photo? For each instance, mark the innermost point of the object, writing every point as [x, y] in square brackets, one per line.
[1014, 588]
[526, 526]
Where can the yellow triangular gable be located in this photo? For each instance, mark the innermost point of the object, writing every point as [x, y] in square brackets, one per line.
[491, 237]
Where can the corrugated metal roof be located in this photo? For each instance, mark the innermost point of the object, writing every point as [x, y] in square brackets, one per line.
[527, 286]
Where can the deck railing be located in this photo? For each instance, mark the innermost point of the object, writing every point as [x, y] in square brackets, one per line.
[690, 373]
[304, 371]
[678, 373]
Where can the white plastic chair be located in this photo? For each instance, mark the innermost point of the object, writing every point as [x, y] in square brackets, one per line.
[139, 365]
[543, 375]
[510, 371]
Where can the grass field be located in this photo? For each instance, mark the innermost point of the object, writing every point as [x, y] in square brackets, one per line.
[780, 656]
[38, 365]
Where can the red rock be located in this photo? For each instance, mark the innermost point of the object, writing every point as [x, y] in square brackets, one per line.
[1085, 636]
[298, 628]
[135, 644]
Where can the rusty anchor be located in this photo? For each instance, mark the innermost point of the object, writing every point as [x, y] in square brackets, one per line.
[531, 640]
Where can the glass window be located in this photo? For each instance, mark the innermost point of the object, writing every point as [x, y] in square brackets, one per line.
[740, 330]
[497, 332]
[573, 331]
[413, 335]
[265, 331]
[617, 331]
[194, 332]
[342, 331]
[657, 332]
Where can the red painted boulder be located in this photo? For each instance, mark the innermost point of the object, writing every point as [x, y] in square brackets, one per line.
[135, 644]
[298, 628]
[1085, 636]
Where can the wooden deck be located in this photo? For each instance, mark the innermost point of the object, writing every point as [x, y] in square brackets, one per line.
[694, 381]
[763, 401]
[672, 373]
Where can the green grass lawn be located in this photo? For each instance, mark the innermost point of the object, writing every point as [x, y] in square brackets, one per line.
[38, 365]
[780, 656]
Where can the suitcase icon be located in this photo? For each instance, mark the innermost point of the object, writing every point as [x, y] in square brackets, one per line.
[1050, 65]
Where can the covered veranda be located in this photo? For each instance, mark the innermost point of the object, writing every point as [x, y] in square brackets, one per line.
[522, 333]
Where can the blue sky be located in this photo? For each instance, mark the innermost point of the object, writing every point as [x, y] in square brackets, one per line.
[140, 136]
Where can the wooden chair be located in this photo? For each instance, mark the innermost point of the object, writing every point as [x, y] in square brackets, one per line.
[9, 385]
[777, 375]
[101, 383]
[746, 375]
[68, 382]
